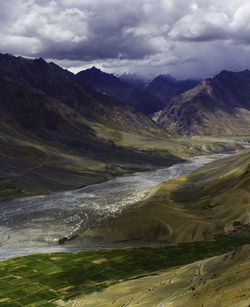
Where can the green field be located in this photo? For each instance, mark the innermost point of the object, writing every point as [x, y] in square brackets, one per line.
[41, 280]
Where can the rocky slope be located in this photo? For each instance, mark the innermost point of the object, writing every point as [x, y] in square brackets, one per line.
[216, 106]
[141, 100]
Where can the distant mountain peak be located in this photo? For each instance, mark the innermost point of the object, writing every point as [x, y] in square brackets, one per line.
[126, 93]
[165, 87]
[94, 68]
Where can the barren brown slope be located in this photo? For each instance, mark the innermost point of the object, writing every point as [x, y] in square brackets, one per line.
[224, 282]
[211, 201]
[217, 106]
[219, 281]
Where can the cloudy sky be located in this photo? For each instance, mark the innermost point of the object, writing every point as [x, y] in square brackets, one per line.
[186, 38]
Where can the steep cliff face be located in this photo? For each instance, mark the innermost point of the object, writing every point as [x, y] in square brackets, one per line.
[216, 106]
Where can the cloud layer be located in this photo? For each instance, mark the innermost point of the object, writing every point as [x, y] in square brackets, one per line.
[195, 38]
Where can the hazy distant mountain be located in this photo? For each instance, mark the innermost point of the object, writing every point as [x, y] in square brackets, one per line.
[135, 80]
[57, 132]
[141, 100]
[166, 87]
[216, 106]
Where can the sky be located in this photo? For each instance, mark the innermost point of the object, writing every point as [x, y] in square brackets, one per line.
[184, 38]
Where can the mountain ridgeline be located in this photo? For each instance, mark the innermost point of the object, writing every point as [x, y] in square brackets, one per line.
[134, 90]
[140, 99]
[52, 97]
[216, 106]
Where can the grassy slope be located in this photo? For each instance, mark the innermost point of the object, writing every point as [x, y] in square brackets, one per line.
[44, 279]
[189, 208]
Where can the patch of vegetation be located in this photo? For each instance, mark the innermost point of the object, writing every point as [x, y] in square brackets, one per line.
[42, 279]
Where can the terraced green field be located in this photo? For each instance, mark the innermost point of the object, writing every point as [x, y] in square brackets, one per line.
[41, 280]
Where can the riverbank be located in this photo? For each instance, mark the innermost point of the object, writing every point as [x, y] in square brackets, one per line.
[44, 220]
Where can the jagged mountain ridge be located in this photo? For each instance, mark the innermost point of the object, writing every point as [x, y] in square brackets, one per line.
[216, 106]
[141, 100]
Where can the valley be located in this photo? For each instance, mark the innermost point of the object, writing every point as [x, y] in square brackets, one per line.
[100, 205]
[45, 220]
[102, 268]
[124, 153]
[197, 206]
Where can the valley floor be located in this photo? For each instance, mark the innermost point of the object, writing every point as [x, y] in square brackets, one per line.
[175, 275]
[180, 275]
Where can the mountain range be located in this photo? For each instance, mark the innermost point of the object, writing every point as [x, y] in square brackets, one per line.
[140, 99]
[136, 91]
[216, 106]
[60, 133]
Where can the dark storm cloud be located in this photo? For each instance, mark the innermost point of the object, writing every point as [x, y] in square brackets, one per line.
[185, 38]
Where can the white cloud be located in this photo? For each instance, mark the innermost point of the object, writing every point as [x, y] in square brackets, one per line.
[185, 38]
